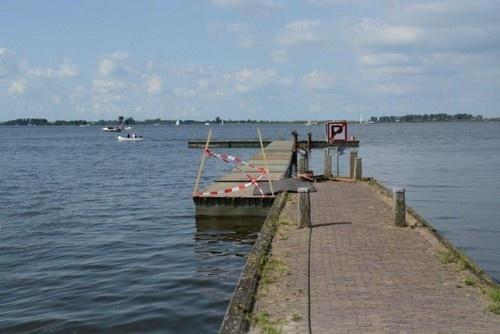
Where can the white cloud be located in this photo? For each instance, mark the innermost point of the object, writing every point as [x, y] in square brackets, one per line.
[17, 87]
[114, 64]
[317, 80]
[66, 70]
[395, 89]
[241, 30]
[4, 51]
[377, 33]
[153, 84]
[280, 56]
[382, 59]
[249, 79]
[118, 55]
[106, 66]
[184, 92]
[257, 4]
[7, 62]
[300, 32]
[246, 41]
[105, 86]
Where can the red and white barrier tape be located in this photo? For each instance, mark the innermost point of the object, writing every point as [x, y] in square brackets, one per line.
[231, 159]
[239, 187]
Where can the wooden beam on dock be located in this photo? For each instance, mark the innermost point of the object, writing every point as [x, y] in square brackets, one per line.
[256, 144]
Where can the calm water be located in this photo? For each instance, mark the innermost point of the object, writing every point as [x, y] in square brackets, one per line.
[99, 236]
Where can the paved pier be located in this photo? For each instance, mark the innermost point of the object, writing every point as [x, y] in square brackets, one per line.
[366, 275]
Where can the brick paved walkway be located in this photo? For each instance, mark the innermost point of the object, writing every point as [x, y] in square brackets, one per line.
[367, 275]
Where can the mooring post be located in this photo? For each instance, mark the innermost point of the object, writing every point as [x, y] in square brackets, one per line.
[358, 169]
[294, 149]
[306, 161]
[352, 158]
[399, 206]
[309, 141]
[304, 207]
[302, 164]
[327, 164]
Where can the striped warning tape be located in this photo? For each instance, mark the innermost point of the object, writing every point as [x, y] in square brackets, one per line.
[231, 159]
[253, 181]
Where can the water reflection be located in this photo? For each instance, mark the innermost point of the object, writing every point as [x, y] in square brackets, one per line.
[215, 230]
[221, 246]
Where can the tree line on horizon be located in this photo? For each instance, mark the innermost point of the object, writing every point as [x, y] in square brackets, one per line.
[157, 121]
[427, 118]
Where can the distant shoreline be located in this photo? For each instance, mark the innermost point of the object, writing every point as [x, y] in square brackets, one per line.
[432, 118]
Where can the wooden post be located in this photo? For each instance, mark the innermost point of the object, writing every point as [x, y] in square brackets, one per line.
[306, 161]
[202, 163]
[304, 207]
[327, 172]
[358, 169]
[294, 152]
[265, 162]
[352, 158]
[295, 140]
[399, 206]
[309, 141]
[302, 164]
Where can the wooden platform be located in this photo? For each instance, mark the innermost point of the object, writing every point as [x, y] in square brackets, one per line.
[255, 143]
[244, 202]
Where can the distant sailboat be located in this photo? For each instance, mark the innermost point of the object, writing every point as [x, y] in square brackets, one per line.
[177, 123]
[222, 122]
[361, 119]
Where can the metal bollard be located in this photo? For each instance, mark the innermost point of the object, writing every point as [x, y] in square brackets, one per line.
[304, 207]
[358, 169]
[327, 172]
[352, 158]
[399, 207]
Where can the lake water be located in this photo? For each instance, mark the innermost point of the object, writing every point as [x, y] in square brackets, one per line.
[100, 236]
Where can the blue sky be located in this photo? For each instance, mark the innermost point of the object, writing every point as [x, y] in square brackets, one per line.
[240, 59]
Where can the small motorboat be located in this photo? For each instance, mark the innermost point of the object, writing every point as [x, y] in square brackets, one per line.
[129, 137]
[112, 129]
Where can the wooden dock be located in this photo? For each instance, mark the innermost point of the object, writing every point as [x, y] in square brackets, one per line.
[256, 144]
[354, 271]
[245, 202]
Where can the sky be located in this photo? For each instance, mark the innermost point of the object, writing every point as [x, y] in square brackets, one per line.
[248, 59]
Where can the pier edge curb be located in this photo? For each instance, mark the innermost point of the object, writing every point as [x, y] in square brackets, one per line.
[236, 319]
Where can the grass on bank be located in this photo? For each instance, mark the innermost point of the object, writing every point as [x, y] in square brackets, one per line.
[267, 325]
[494, 294]
[460, 259]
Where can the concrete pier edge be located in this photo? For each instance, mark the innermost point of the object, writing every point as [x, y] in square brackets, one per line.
[473, 267]
[236, 319]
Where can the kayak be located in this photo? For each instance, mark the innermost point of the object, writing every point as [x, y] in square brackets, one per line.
[138, 138]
